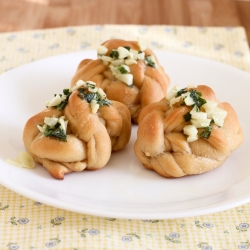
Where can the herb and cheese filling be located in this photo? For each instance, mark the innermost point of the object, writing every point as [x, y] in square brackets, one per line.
[54, 127]
[87, 91]
[59, 101]
[57, 127]
[121, 58]
[203, 115]
[93, 95]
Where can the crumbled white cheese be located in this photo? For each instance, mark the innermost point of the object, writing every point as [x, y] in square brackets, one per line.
[41, 128]
[218, 115]
[101, 93]
[56, 100]
[209, 105]
[119, 62]
[126, 78]
[126, 57]
[173, 92]
[123, 52]
[102, 50]
[93, 90]
[63, 123]
[197, 114]
[94, 106]
[192, 138]
[130, 61]
[51, 121]
[79, 83]
[189, 101]
[106, 58]
[201, 123]
[141, 56]
[190, 130]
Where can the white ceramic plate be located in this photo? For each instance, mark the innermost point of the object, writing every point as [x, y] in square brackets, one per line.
[123, 188]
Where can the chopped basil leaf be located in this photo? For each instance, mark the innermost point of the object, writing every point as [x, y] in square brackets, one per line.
[88, 96]
[103, 102]
[127, 47]
[64, 102]
[57, 132]
[198, 93]
[150, 63]
[207, 132]
[187, 117]
[180, 92]
[139, 52]
[62, 105]
[197, 99]
[48, 131]
[122, 69]
[66, 92]
[114, 54]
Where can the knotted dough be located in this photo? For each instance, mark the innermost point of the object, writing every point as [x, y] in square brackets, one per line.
[149, 84]
[90, 136]
[162, 146]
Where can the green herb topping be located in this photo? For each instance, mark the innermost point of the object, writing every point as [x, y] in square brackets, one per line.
[93, 95]
[150, 62]
[54, 127]
[127, 47]
[120, 59]
[88, 96]
[64, 102]
[207, 132]
[57, 132]
[180, 92]
[187, 117]
[197, 99]
[122, 69]
[114, 54]
[59, 101]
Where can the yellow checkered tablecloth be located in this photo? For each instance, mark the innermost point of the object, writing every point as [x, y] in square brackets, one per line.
[27, 224]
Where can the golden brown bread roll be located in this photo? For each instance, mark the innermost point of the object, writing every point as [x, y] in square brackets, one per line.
[91, 133]
[149, 82]
[163, 144]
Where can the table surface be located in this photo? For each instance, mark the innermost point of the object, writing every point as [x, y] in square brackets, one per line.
[29, 224]
[59, 13]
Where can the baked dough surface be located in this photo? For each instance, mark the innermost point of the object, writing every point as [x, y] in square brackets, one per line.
[162, 146]
[149, 84]
[90, 136]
